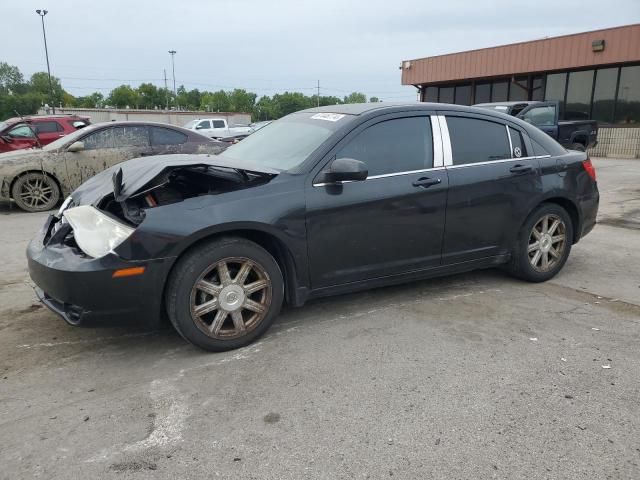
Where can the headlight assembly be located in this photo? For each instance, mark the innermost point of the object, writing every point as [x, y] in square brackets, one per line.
[96, 234]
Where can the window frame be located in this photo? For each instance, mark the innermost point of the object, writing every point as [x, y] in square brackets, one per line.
[330, 155]
[446, 139]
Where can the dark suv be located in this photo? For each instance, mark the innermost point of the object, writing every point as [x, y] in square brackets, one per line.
[37, 131]
[323, 201]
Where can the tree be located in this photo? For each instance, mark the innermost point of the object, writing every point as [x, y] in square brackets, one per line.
[215, 102]
[123, 96]
[374, 100]
[241, 101]
[95, 100]
[149, 96]
[11, 80]
[355, 97]
[39, 83]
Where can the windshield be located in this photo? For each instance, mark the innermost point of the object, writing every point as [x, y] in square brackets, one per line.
[286, 143]
[190, 124]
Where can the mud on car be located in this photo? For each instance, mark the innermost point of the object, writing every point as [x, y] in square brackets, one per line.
[324, 201]
[36, 179]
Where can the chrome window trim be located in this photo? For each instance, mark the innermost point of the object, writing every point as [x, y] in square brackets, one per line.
[510, 143]
[446, 141]
[436, 135]
[384, 175]
[489, 162]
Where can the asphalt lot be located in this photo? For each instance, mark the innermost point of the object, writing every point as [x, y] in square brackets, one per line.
[469, 376]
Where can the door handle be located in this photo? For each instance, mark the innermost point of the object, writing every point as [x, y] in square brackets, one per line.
[426, 182]
[520, 169]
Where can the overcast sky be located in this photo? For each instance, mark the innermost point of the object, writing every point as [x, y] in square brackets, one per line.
[273, 46]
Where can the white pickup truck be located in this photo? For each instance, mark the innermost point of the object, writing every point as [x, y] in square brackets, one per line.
[217, 128]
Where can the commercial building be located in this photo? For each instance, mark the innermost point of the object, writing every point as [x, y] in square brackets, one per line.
[593, 75]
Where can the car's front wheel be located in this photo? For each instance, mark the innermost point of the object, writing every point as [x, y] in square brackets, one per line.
[543, 245]
[35, 192]
[225, 294]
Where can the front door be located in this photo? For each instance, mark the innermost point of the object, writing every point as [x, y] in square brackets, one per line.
[390, 223]
[543, 115]
[104, 148]
[492, 182]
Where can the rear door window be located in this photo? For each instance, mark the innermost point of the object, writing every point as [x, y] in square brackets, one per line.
[518, 148]
[166, 136]
[393, 146]
[47, 127]
[218, 124]
[474, 140]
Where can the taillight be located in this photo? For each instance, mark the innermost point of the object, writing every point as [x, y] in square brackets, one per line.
[589, 168]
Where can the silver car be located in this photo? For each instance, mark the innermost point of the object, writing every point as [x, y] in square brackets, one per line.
[36, 179]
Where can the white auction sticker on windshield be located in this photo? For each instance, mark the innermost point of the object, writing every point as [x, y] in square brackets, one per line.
[330, 117]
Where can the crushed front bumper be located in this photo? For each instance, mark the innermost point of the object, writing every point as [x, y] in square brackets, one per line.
[81, 288]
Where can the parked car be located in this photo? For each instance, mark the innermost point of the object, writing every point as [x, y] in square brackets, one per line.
[573, 134]
[217, 128]
[36, 131]
[319, 203]
[36, 179]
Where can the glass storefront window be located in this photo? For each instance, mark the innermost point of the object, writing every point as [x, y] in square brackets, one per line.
[446, 95]
[579, 95]
[483, 93]
[628, 104]
[431, 94]
[604, 95]
[537, 88]
[463, 95]
[519, 90]
[500, 91]
[554, 90]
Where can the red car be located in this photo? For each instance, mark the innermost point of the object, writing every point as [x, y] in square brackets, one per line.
[18, 133]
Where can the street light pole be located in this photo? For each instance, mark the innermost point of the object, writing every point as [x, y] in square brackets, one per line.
[42, 13]
[173, 68]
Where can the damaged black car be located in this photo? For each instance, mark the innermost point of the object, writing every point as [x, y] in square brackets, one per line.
[325, 201]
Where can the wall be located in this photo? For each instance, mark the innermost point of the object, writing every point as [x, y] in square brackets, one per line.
[98, 115]
[617, 142]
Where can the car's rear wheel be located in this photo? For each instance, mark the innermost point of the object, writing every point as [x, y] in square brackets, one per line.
[35, 192]
[543, 245]
[225, 294]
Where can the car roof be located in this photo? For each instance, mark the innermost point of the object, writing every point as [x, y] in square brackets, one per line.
[507, 104]
[358, 109]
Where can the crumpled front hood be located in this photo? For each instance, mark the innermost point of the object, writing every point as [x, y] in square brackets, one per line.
[138, 172]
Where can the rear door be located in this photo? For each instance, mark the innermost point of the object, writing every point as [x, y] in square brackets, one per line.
[48, 130]
[392, 222]
[543, 115]
[104, 148]
[493, 180]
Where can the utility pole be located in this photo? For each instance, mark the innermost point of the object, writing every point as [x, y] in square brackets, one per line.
[42, 13]
[166, 90]
[173, 68]
[318, 92]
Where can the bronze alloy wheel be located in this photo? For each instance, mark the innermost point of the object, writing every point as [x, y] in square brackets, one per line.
[547, 242]
[231, 298]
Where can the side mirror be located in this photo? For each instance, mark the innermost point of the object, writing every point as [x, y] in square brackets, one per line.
[345, 170]
[76, 147]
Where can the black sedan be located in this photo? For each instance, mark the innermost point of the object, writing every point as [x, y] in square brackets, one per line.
[324, 201]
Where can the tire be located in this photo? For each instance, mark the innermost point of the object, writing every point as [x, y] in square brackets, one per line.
[35, 192]
[212, 307]
[531, 248]
[578, 146]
